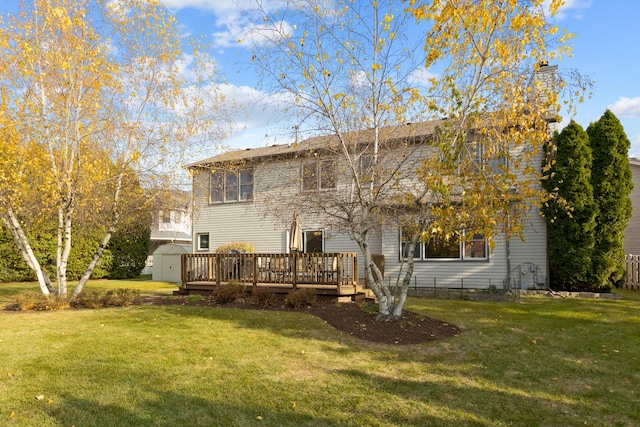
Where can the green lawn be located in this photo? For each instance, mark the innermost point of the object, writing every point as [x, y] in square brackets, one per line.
[539, 362]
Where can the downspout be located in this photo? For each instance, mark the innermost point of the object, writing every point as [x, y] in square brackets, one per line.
[508, 254]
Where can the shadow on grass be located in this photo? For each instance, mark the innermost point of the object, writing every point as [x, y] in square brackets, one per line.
[288, 324]
[452, 398]
[170, 409]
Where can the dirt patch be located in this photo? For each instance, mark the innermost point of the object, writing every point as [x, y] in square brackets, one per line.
[351, 318]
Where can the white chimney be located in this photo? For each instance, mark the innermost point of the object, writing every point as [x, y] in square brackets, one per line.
[544, 81]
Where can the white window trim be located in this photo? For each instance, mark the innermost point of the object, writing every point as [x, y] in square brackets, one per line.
[423, 257]
[318, 163]
[198, 246]
[238, 174]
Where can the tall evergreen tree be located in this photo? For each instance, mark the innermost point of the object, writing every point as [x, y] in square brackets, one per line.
[571, 214]
[612, 185]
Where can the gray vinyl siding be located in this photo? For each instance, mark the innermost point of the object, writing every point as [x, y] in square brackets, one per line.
[632, 233]
[265, 221]
[446, 273]
[234, 222]
[530, 253]
[525, 256]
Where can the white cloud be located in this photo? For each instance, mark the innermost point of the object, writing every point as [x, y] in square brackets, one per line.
[626, 107]
[574, 8]
[234, 19]
[256, 111]
[216, 6]
[422, 76]
[251, 34]
[223, 7]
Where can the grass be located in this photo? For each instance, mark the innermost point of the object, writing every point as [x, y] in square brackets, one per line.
[540, 362]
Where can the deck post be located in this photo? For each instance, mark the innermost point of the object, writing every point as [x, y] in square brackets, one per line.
[218, 270]
[255, 273]
[294, 271]
[355, 273]
[184, 270]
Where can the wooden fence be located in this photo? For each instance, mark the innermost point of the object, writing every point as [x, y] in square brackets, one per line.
[633, 272]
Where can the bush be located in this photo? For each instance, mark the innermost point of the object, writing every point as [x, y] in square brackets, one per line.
[301, 298]
[243, 247]
[36, 301]
[120, 297]
[370, 308]
[89, 299]
[130, 247]
[262, 297]
[226, 294]
[111, 298]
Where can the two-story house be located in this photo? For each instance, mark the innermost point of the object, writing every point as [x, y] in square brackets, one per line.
[248, 195]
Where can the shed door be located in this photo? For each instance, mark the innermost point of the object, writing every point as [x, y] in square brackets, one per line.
[171, 268]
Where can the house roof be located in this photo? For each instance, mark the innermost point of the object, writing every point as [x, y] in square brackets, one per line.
[328, 142]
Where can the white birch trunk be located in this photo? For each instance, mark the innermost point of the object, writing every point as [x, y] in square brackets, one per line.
[20, 238]
[63, 249]
[92, 265]
[105, 240]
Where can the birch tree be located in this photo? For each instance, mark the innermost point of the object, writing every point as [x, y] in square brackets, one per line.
[353, 70]
[96, 89]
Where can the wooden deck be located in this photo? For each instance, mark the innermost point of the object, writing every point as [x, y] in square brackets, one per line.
[329, 274]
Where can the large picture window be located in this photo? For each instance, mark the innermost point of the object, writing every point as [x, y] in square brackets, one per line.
[318, 175]
[439, 247]
[231, 186]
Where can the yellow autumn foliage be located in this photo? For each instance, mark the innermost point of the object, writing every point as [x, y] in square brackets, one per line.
[91, 102]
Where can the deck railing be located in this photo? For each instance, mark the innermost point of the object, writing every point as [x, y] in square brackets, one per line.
[339, 269]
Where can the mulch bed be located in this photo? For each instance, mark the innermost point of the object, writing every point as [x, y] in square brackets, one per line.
[350, 318]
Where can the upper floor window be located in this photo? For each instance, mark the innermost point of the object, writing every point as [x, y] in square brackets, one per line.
[440, 247]
[319, 175]
[368, 169]
[231, 186]
[488, 158]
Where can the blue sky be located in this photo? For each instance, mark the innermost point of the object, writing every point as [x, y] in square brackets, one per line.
[606, 48]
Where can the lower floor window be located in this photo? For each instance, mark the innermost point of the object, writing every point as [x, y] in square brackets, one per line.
[203, 241]
[441, 247]
[476, 247]
[313, 241]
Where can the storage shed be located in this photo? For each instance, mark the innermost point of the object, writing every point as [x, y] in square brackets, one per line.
[166, 262]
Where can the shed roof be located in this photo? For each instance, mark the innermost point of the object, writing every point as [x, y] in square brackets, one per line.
[173, 249]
